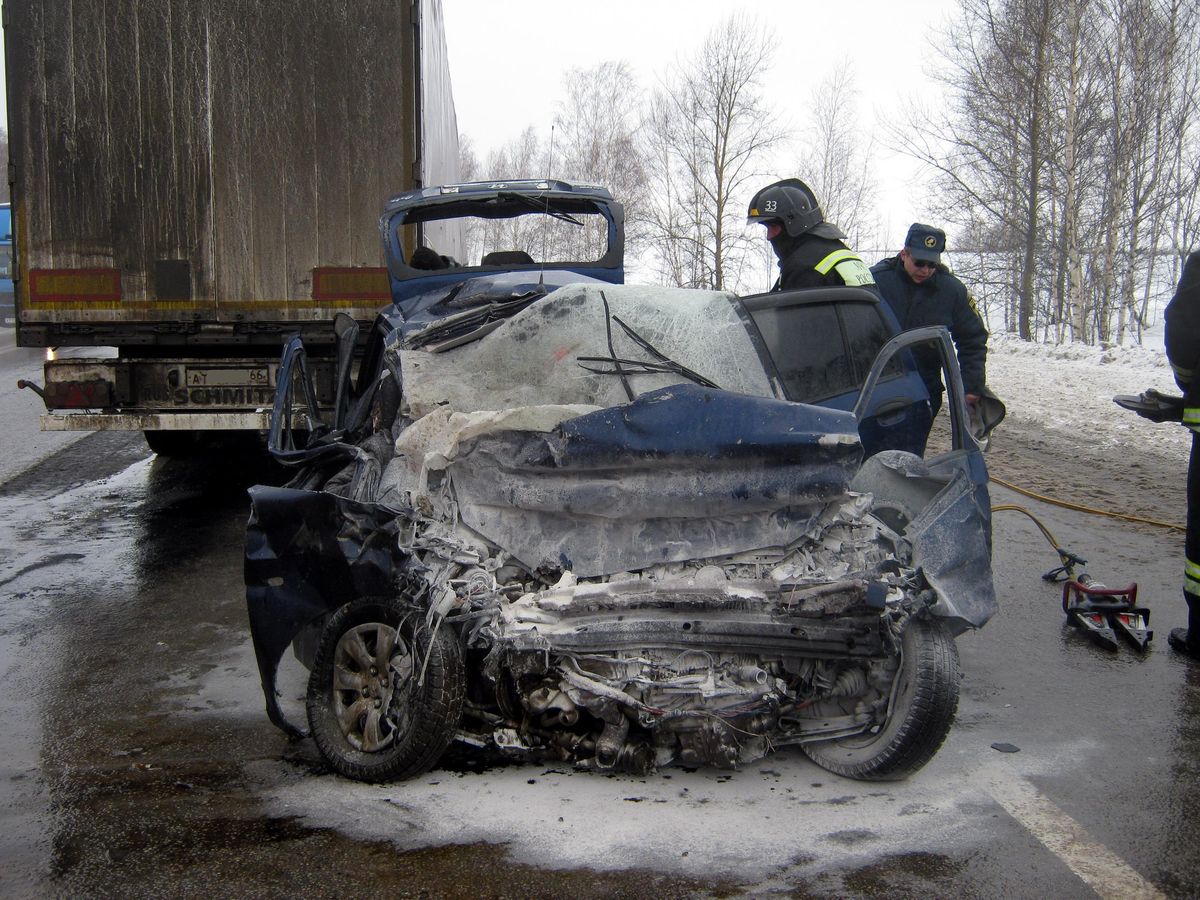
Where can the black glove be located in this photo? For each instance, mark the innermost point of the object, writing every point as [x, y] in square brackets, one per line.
[1153, 405]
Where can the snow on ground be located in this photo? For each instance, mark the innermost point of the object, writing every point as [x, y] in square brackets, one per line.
[1069, 388]
[753, 825]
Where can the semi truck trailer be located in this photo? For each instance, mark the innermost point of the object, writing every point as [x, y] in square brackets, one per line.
[195, 182]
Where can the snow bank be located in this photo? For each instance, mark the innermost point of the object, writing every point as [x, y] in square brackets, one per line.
[1069, 388]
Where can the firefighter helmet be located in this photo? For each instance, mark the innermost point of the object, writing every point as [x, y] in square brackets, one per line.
[790, 202]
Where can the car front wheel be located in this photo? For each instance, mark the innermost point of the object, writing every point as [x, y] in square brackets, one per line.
[924, 700]
[385, 695]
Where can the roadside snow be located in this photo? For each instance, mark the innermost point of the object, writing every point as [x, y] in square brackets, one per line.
[758, 825]
[1069, 388]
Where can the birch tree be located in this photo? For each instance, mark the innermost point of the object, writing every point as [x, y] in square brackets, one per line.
[838, 158]
[597, 139]
[988, 148]
[523, 157]
[1074, 94]
[709, 131]
[1068, 148]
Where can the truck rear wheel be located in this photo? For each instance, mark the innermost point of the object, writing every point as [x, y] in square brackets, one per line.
[173, 443]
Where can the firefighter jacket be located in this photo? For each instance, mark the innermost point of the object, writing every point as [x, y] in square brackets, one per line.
[939, 300]
[813, 261]
[1183, 338]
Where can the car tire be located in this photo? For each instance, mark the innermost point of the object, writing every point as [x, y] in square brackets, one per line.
[385, 695]
[926, 699]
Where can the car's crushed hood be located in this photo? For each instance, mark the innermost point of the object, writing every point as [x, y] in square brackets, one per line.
[681, 473]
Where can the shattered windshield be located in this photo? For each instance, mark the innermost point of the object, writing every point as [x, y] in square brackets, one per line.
[540, 356]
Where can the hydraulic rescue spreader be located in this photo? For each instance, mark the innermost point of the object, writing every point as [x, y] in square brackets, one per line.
[1101, 612]
[1104, 614]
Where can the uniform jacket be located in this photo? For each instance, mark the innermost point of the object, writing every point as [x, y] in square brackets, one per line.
[940, 300]
[1183, 338]
[812, 261]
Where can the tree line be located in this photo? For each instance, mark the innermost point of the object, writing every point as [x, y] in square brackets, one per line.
[1065, 160]
[1068, 159]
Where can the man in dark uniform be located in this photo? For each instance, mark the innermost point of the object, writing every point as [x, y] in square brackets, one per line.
[1183, 350]
[810, 250]
[921, 291]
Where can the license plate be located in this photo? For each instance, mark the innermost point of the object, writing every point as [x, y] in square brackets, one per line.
[254, 376]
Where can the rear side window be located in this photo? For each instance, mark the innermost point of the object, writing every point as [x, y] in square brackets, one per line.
[866, 334]
[822, 350]
[805, 341]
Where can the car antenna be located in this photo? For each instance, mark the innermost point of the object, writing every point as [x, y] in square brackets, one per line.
[546, 218]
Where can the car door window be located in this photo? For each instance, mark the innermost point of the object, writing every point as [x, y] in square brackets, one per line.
[806, 343]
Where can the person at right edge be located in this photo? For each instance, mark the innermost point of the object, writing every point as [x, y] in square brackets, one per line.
[921, 291]
[1183, 351]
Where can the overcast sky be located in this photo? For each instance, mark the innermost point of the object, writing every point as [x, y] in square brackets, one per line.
[507, 61]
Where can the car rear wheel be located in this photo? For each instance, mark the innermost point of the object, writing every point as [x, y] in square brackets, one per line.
[925, 698]
[385, 695]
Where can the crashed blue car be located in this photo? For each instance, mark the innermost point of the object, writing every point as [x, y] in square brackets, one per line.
[556, 517]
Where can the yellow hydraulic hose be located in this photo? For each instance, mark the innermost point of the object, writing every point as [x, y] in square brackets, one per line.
[1036, 521]
[1074, 506]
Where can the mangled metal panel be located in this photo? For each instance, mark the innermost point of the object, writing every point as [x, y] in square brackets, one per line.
[681, 473]
[306, 553]
[940, 513]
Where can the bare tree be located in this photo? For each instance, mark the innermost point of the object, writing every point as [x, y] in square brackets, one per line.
[708, 132]
[1166, 54]
[1076, 96]
[523, 157]
[468, 162]
[1069, 150]
[1184, 165]
[596, 139]
[988, 147]
[838, 159]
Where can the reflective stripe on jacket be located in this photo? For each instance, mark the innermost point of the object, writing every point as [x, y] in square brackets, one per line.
[813, 261]
[849, 265]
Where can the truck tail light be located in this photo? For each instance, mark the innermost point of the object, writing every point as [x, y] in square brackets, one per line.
[78, 394]
[74, 285]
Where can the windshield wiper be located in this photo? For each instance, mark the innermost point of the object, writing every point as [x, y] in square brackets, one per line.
[459, 328]
[661, 363]
[541, 206]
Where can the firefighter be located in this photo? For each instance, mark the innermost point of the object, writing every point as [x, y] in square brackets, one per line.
[921, 291]
[810, 250]
[1183, 350]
